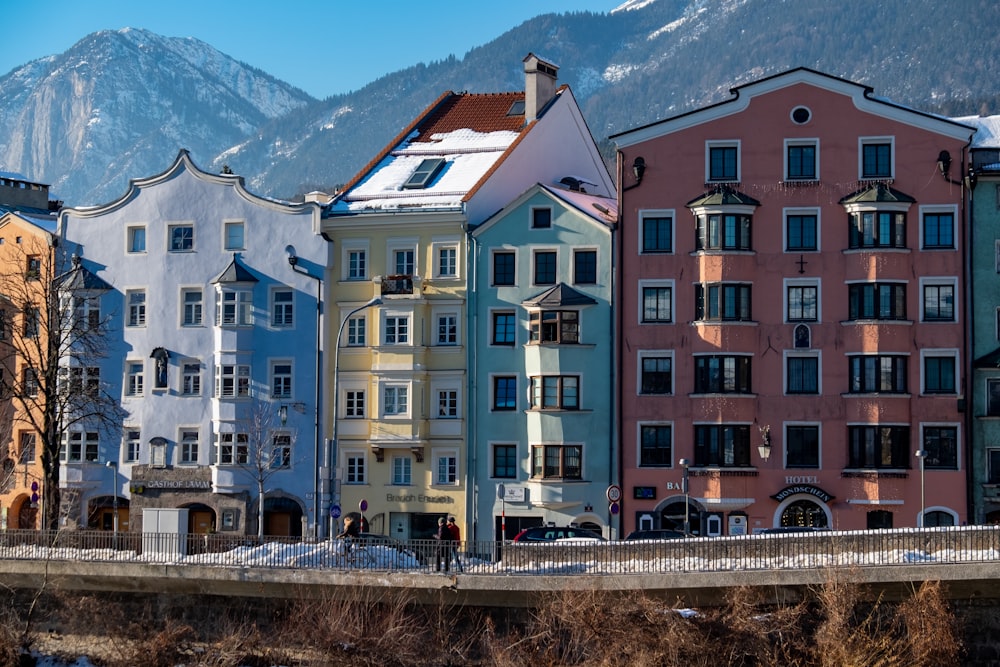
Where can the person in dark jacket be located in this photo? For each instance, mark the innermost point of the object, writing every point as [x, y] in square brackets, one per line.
[456, 542]
[443, 550]
[351, 532]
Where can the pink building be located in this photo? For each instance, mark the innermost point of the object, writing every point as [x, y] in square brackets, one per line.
[792, 335]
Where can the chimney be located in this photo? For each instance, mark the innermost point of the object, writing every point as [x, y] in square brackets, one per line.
[539, 85]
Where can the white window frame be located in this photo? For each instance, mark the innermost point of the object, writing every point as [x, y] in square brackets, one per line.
[348, 249]
[792, 211]
[723, 143]
[447, 398]
[131, 444]
[235, 371]
[281, 450]
[402, 245]
[352, 396]
[933, 281]
[239, 445]
[655, 354]
[355, 467]
[534, 265]
[453, 245]
[402, 470]
[130, 234]
[191, 382]
[437, 316]
[227, 225]
[135, 313]
[286, 391]
[804, 141]
[397, 318]
[643, 284]
[657, 213]
[923, 210]
[187, 446]
[940, 352]
[135, 377]
[449, 459]
[392, 395]
[356, 331]
[802, 354]
[504, 250]
[241, 301]
[802, 282]
[287, 319]
[862, 142]
[170, 236]
[195, 308]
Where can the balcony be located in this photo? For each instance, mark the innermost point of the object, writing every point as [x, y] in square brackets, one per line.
[397, 285]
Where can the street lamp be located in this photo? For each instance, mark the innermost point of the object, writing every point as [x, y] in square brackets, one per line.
[331, 452]
[921, 454]
[684, 463]
[113, 465]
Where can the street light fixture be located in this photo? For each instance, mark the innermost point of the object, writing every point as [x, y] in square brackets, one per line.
[921, 455]
[113, 465]
[684, 463]
[332, 451]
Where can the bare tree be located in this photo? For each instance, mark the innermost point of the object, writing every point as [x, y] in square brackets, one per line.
[266, 448]
[56, 337]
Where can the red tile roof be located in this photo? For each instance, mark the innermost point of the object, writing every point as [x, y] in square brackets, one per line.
[478, 112]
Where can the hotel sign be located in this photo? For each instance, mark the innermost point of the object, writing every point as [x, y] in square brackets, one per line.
[803, 488]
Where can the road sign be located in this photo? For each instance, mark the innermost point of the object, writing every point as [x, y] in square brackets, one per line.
[614, 508]
[363, 505]
[501, 491]
[335, 511]
[614, 493]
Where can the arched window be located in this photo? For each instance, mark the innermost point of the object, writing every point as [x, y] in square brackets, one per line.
[804, 513]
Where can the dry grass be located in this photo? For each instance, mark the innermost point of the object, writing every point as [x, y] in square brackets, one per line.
[832, 626]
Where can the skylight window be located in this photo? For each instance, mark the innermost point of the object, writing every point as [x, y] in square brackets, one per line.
[516, 109]
[424, 174]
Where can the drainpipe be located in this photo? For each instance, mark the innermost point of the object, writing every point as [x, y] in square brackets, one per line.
[472, 338]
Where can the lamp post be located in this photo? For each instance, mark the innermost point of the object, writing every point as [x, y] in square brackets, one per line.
[331, 452]
[113, 465]
[921, 454]
[684, 463]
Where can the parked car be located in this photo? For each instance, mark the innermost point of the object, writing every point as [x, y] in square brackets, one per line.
[557, 533]
[656, 534]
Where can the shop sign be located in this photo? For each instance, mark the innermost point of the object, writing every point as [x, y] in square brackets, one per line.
[419, 498]
[176, 484]
[803, 488]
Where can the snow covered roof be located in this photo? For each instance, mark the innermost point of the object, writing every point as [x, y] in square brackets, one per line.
[987, 130]
[459, 140]
[602, 209]
[42, 220]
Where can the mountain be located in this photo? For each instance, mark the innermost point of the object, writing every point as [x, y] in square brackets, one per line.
[119, 105]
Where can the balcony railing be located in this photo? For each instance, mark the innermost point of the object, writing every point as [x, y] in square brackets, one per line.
[399, 284]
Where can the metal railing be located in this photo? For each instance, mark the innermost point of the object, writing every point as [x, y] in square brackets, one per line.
[968, 544]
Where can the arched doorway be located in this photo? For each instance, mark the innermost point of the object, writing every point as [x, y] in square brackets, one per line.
[804, 513]
[201, 519]
[672, 516]
[283, 517]
[935, 518]
[22, 515]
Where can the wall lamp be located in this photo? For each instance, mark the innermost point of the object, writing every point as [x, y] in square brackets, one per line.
[944, 166]
[638, 171]
[764, 448]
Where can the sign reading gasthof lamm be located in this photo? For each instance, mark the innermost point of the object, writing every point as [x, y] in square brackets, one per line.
[176, 484]
[803, 488]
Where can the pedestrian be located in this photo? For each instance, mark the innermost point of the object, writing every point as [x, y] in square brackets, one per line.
[351, 532]
[443, 550]
[456, 542]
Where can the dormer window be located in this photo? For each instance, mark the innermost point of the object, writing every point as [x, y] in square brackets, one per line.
[425, 173]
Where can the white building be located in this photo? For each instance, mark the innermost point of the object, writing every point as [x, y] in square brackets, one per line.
[215, 348]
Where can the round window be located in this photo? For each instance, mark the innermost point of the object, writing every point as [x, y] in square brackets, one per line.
[801, 115]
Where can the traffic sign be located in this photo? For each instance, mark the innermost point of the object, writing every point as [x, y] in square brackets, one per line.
[335, 511]
[363, 505]
[501, 491]
[614, 508]
[614, 493]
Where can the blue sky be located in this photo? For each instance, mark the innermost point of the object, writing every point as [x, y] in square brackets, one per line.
[322, 46]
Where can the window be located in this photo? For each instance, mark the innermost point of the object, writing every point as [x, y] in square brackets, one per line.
[939, 374]
[505, 392]
[191, 379]
[29, 382]
[357, 264]
[722, 445]
[136, 241]
[876, 301]
[424, 174]
[657, 304]
[545, 267]
[656, 375]
[503, 328]
[993, 398]
[447, 262]
[281, 379]
[723, 231]
[354, 404]
[447, 404]
[232, 381]
[397, 330]
[282, 301]
[80, 446]
[874, 373]
[802, 375]
[404, 262]
[233, 232]
[394, 400]
[79, 380]
[941, 447]
[802, 446]
[557, 462]
[181, 238]
[86, 313]
[33, 267]
[32, 321]
[281, 450]
[356, 331]
[447, 329]
[723, 163]
[993, 465]
[800, 161]
[876, 158]
[235, 308]
[585, 267]
[722, 301]
[722, 374]
[355, 469]
[877, 229]
[655, 446]
[27, 448]
[134, 378]
[135, 301]
[657, 234]
[555, 392]
[939, 303]
[189, 447]
[541, 218]
[505, 461]
[939, 230]
[193, 308]
[554, 326]
[133, 445]
[446, 469]
[878, 446]
[503, 268]
[234, 449]
[4, 324]
[801, 232]
[803, 301]
[402, 470]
